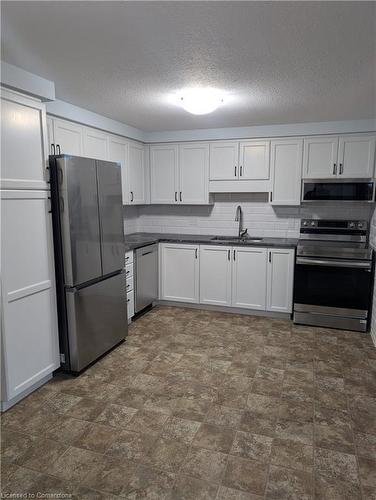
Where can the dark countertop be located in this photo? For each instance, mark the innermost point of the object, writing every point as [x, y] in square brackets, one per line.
[137, 240]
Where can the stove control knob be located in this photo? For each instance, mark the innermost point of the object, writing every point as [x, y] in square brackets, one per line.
[360, 225]
[305, 223]
[351, 225]
[313, 223]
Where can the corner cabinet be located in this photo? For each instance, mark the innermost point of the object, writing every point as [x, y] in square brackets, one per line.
[179, 272]
[286, 171]
[179, 174]
[280, 274]
[342, 157]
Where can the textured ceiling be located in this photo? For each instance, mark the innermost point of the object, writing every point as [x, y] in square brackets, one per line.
[282, 62]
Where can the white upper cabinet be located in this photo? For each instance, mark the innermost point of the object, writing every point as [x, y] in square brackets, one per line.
[280, 275]
[95, 144]
[67, 138]
[118, 152]
[320, 157]
[224, 161]
[136, 174]
[356, 156]
[24, 148]
[179, 272]
[286, 171]
[164, 173]
[249, 277]
[215, 275]
[254, 160]
[194, 173]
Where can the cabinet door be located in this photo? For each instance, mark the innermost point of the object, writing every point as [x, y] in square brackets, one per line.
[30, 337]
[164, 174]
[118, 151]
[136, 173]
[254, 160]
[24, 144]
[249, 277]
[224, 158]
[320, 157]
[286, 161]
[194, 173]
[215, 275]
[50, 136]
[356, 156]
[179, 273]
[280, 279]
[69, 136]
[95, 144]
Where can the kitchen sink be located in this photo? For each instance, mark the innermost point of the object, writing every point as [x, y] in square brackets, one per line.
[236, 239]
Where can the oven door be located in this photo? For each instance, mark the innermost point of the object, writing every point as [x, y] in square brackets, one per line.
[330, 283]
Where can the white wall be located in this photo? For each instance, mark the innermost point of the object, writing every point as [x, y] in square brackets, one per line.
[260, 218]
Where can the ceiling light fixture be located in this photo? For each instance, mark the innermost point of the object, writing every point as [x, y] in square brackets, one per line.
[200, 101]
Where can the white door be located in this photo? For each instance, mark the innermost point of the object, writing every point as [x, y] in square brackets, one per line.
[164, 174]
[254, 160]
[68, 137]
[320, 157]
[215, 275]
[136, 174]
[179, 272]
[118, 152]
[95, 144]
[224, 158]
[24, 148]
[286, 166]
[30, 337]
[280, 279]
[194, 173]
[249, 277]
[356, 156]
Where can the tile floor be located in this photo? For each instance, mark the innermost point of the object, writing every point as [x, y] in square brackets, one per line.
[199, 405]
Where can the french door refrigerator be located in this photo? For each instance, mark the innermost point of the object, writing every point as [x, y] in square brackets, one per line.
[87, 216]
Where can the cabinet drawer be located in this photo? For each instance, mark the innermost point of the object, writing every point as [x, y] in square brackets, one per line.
[129, 284]
[129, 257]
[129, 270]
[130, 304]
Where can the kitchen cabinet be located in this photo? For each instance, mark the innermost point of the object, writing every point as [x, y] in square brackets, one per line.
[254, 160]
[67, 138]
[118, 152]
[24, 145]
[193, 173]
[280, 273]
[215, 275]
[286, 171]
[356, 156]
[136, 174]
[179, 272]
[95, 144]
[164, 173]
[224, 157]
[347, 156]
[249, 277]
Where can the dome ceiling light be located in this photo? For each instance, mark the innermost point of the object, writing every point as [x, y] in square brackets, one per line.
[200, 101]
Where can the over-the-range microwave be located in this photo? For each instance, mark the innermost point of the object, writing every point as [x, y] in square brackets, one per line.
[327, 190]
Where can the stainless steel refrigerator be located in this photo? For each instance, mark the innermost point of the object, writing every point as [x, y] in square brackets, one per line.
[87, 216]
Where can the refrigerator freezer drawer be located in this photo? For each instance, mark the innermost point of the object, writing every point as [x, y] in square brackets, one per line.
[97, 320]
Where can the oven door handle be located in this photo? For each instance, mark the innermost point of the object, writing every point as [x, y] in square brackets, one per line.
[355, 264]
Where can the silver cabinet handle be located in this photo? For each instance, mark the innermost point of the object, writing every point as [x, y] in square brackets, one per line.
[334, 168]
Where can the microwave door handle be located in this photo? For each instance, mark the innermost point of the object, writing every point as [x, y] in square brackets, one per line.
[334, 263]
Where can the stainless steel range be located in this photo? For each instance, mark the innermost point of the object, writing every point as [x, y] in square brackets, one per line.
[333, 279]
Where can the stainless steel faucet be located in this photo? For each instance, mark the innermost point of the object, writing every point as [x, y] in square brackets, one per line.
[239, 218]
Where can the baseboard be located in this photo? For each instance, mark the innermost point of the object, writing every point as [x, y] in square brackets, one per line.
[234, 310]
[5, 405]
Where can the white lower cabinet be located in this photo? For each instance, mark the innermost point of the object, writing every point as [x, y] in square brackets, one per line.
[280, 279]
[179, 272]
[249, 277]
[215, 275]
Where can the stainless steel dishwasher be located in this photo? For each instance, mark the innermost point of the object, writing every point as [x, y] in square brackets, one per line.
[146, 271]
